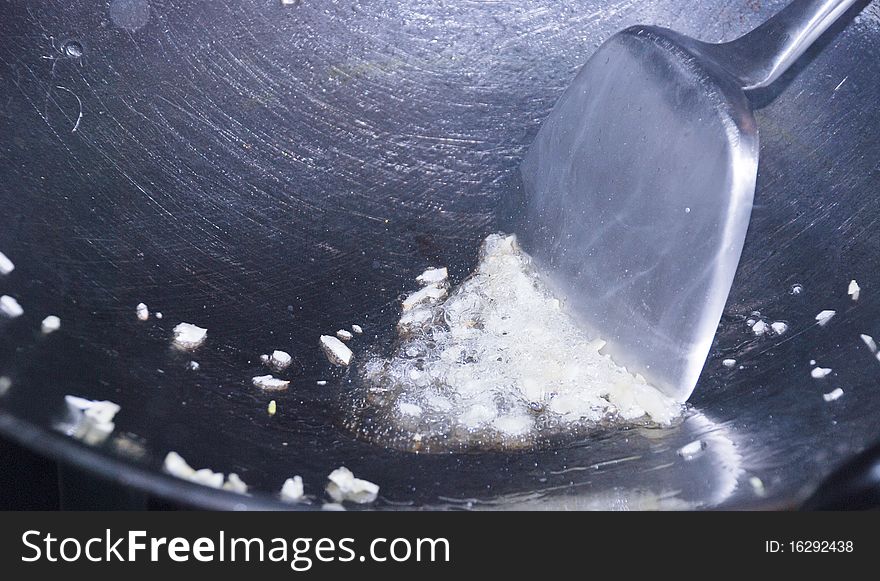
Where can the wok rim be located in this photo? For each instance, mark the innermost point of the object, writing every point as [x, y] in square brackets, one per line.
[65, 450]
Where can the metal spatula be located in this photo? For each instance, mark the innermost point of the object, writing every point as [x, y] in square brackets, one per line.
[640, 183]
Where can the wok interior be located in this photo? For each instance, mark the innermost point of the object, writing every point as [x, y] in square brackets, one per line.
[274, 173]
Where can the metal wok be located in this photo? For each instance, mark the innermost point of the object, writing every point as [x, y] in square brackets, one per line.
[274, 172]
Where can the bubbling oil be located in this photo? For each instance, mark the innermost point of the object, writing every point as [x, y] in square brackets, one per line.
[497, 363]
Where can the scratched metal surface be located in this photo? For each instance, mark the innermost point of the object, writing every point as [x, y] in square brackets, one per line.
[276, 172]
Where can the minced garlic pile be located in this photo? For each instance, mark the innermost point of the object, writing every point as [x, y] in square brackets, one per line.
[495, 363]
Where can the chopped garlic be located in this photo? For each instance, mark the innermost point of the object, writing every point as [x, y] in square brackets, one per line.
[689, 451]
[498, 363]
[235, 484]
[193, 366]
[429, 294]
[854, 290]
[158, 315]
[825, 316]
[189, 336]
[760, 328]
[779, 327]
[208, 477]
[143, 313]
[757, 485]
[344, 335]
[869, 341]
[414, 319]
[292, 490]
[50, 324]
[175, 465]
[728, 362]
[272, 408]
[344, 486]
[357, 329]
[99, 411]
[92, 421]
[10, 307]
[270, 383]
[833, 395]
[280, 360]
[335, 350]
[820, 372]
[321, 382]
[433, 276]
[6, 265]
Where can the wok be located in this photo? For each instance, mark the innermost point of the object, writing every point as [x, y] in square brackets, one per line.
[274, 172]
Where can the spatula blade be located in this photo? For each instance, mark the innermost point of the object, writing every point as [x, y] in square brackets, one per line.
[639, 190]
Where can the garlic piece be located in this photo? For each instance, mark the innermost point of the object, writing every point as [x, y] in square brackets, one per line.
[335, 350]
[344, 486]
[280, 360]
[825, 316]
[270, 383]
[6, 265]
[433, 276]
[833, 395]
[820, 372]
[50, 324]
[853, 290]
[188, 336]
[429, 294]
[292, 490]
[779, 327]
[10, 307]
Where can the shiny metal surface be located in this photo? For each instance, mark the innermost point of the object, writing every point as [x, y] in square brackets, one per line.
[235, 165]
[639, 190]
[639, 185]
[761, 56]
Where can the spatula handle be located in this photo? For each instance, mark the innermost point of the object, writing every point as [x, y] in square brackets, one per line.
[759, 57]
